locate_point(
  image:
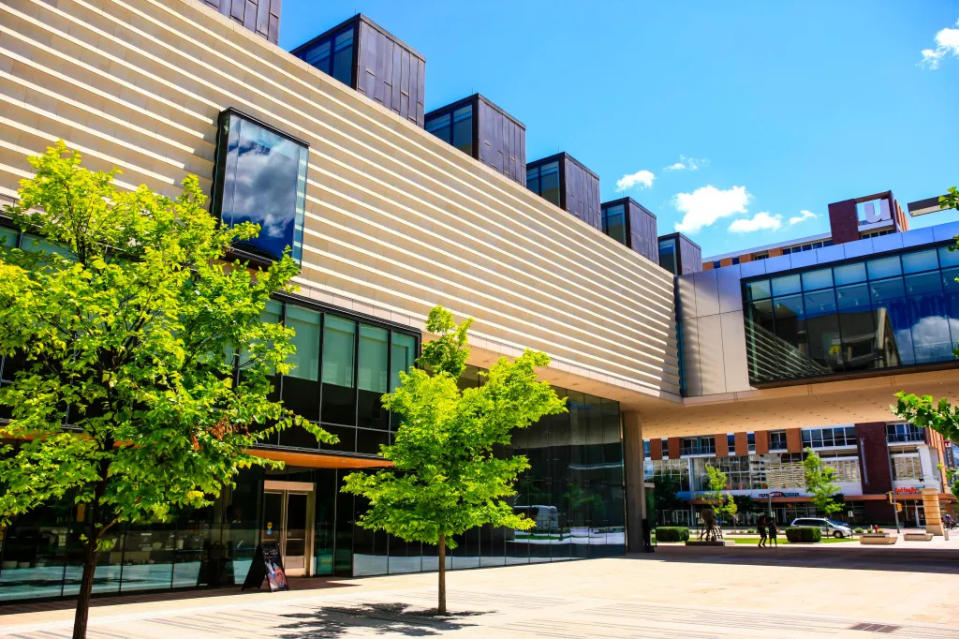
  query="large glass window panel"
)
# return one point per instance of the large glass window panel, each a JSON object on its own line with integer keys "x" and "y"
{"x": 948, "y": 257}
{"x": 852, "y": 298}
{"x": 824, "y": 340}
{"x": 758, "y": 290}
{"x": 788, "y": 312}
{"x": 319, "y": 55}
{"x": 849, "y": 273}
{"x": 549, "y": 182}
{"x": 883, "y": 267}
{"x": 858, "y": 340}
{"x": 820, "y": 302}
{"x": 261, "y": 178}
{"x": 372, "y": 376}
{"x": 402, "y": 356}
{"x": 532, "y": 180}
{"x": 440, "y": 127}
{"x": 919, "y": 261}
{"x": 8, "y": 237}
{"x": 338, "y": 392}
{"x": 306, "y": 359}
{"x": 343, "y": 57}
{"x": 884, "y": 290}
{"x": 462, "y": 137}
{"x": 614, "y": 222}
{"x": 929, "y": 321}
{"x": 786, "y": 284}
{"x": 667, "y": 256}
{"x": 820, "y": 278}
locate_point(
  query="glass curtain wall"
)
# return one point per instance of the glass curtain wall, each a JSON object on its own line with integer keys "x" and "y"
{"x": 41, "y": 554}
{"x": 886, "y": 312}
{"x": 341, "y": 369}
{"x": 573, "y": 491}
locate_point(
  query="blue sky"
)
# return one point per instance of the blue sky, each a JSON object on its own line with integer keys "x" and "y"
{"x": 745, "y": 114}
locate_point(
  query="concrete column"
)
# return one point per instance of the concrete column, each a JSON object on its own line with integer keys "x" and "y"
{"x": 635, "y": 486}
{"x": 930, "y": 502}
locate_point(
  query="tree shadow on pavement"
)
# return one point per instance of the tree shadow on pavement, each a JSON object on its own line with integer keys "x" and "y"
{"x": 382, "y": 618}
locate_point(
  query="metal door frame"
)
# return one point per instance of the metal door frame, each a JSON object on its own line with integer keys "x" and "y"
{"x": 285, "y": 488}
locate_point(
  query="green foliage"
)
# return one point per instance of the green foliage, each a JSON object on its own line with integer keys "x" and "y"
{"x": 950, "y": 200}
{"x": 447, "y": 478}
{"x": 665, "y": 487}
{"x": 820, "y": 481}
{"x": 123, "y": 331}
{"x": 722, "y": 502}
{"x": 807, "y": 534}
{"x": 672, "y": 533}
{"x": 952, "y": 478}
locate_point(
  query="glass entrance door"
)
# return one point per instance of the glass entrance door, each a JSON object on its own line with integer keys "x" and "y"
{"x": 287, "y": 521}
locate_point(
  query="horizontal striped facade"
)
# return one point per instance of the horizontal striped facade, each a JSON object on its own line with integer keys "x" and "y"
{"x": 397, "y": 221}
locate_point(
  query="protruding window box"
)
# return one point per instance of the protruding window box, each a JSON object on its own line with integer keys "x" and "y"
{"x": 260, "y": 177}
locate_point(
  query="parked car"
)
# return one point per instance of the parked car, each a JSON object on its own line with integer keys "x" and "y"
{"x": 828, "y": 527}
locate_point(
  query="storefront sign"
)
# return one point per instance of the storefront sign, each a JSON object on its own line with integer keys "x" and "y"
{"x": 908, "y": 491}
{"x": 267, "y": 563}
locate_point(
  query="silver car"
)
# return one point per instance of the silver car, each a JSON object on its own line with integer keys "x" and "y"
{"x": 828, "y": 527}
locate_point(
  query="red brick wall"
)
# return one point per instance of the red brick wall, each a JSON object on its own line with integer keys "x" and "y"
{"x": 762, "y": 442}
{"x": 742, "y": 444}
{"x": 844, "y": 221}
{"x": 674, "y": 447}
{"x": 656, "y": 448}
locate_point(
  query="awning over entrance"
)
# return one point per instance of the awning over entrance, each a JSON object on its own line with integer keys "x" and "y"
{"x": 320, "y": 460}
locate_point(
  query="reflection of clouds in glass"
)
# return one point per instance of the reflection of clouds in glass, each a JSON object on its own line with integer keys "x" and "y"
{"x": 930, "y": 336}
{"x": 263, "y": 187}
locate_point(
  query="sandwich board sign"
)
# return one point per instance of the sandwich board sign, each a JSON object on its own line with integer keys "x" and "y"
{"x": 267, "y": 564}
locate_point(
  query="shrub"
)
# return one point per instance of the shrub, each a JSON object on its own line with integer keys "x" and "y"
{"x": 859, "y": 531}
{"x": 803, "y": 533}
{"x": 672, "y": 533}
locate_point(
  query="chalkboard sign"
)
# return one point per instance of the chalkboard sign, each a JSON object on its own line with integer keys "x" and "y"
{"x": 267, "y": 563}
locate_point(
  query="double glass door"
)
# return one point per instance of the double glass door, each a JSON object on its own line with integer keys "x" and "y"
{"x": 288, "y": 522}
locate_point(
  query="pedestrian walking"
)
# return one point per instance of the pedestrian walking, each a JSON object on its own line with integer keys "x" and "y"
{"x": 773, "y": 531}
{"x": 762, "y": 532}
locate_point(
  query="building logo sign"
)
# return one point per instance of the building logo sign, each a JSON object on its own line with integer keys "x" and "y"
{"x": 874, "y": 211}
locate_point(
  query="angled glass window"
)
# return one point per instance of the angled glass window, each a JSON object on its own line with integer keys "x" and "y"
{"x": 454, "y": 127}
{"x": 667, "y": 256}
{"x": 8, "y": 237}
{"x": 614, "y": 223}
{"x": 544, "y": 180}
{"x": 332, "y": 54}
{"x": 261, "y": 178}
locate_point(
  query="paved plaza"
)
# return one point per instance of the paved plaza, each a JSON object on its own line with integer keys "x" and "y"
{"x": 744, "y": 593}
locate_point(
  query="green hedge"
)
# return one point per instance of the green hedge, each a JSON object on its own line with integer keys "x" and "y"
{"x": 803, "y": 533}
{"x": 672, "y": 533}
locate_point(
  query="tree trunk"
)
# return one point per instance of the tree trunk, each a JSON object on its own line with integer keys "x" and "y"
{"x": 441, "y": 607}
{"x": 86, "y": 589}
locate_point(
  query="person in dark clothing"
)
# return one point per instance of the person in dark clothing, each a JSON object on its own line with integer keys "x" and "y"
{"x": 762, "y": 532}
{"x": 647, "y": 537}
{"x": 773, "y": 531}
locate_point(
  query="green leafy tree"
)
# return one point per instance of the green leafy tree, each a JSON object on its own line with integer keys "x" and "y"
{"x": 664, "y": 496}
{"x": 125, "y": 326}
{"x": 722, "y": 502}
{"x": 925, "y": 411}
{"x": 447, "y": 477}
{"x": 821, "y": 483}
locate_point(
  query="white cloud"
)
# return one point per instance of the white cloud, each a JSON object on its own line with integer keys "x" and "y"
{"x": 947, "y": 43}
{"x": 707, "y": 204}
{"x": 802, "y": 217}
{"x": 642, "y": 178}
{"x": 687, "y": 164}
{"x": 762, "y": 221}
